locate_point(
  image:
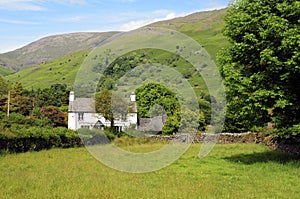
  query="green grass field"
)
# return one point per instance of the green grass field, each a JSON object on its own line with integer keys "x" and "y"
{"x": 229, "y": 171}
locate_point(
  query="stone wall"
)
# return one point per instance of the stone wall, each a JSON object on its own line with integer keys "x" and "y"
{"x": 222, "y": 138}
{"x": 230, "y": 138}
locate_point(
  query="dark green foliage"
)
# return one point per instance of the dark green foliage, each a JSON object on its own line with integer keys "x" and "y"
{"x": 56, "y": 95}
{"x": 55, "y": 115}
{"x": 95, "y": 136}
{"x": 19, "y": 101}
{"x": 261, "y": 66}
{"x": 172, "y": 125}
{"x": 156, "y": 100}
{"x": 110, "y": 106}
{"x": 20, "y": 133}
{"x": 22, "y": 139}
{"x": 3, "y": 87}
{"x": 33, "y": 128}
{"x": 103, "y": 105}
{"x": 290, "y": 133}
{"x": 151, "y": 98}
{"x": 151, "y": 94}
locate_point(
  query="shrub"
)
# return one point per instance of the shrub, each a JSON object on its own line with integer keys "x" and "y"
{"x": 291, "y": 134}
{"x": 95, "y": 136}
{"x": 22, "y": 138}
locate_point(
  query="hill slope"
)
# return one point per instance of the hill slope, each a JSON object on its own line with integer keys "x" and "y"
{"x": 5, "y": 71}
{"x": 50, "y": 48}
{"x": 204, "y": 27}
{"x": 62, "y": 70}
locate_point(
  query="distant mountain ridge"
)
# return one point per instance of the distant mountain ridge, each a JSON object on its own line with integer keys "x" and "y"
{"x": 204, "y": 27}
{"x": 56, "y": 46}
{"x": 50, "y": 48}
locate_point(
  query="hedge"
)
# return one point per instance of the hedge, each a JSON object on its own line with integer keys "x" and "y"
{"x": 20, "y": 138}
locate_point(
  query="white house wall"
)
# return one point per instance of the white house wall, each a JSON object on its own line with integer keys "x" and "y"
{"x": 72, "y": 121}
{"x": 90, "y": 119}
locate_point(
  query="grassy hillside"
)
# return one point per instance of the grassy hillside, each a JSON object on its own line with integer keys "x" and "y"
{"x": 152, "y": 73}
{"x": 229, "y": 171}
{"x": 50, "y": 48}
{"x": 204, "y": 27}
{"x": 62, "y": 70}
{"x": 5, "y": 71}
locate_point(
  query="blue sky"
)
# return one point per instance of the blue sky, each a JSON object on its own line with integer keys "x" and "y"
{"x": 24, "y": 21}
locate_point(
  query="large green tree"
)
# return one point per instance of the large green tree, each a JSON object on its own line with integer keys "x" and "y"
{"x": 3, "y": 93}
{"x": 261, "y": 67}
{"x": 111, "y": 106}
{"x": 152, "y": 94}
{"x": 19, "y": 102}
{"x": 3, "y": 87}
{"x": 155, "y": 99}
{"x": 103, "y": 105}
{"x": 55, "y": 95}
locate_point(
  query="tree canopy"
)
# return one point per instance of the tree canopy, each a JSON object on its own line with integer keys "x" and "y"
{"x": 111, "y": 106}
{"x": 261, "y": 67}
{"x": 152, "y": 94}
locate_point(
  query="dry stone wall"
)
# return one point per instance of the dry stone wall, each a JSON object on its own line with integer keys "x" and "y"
{"x": 230, "y": 138}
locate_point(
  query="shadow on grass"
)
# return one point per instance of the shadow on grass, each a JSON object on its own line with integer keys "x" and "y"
{"x": 264, "y": 157}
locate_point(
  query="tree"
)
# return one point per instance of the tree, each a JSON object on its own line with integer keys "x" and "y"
{"x": 261, "y": 65}
{"x": 152, "y": 94}
{"x": 3, "y": 92}
{"x": 20, "y": 103}
{"x": 55, "y": 95}
{"x": 103, "y": 105}
{"x": 3, "y": 88}
{"x": 110, "y": 107}
{"x": 54, "y": 114}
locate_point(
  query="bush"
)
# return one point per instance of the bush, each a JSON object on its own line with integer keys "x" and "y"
{"x": 22, "y": 138}
{"x": 95, "y": 136}
{"x": 291, "y": 134}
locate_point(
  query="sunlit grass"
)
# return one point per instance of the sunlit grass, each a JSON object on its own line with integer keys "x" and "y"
{"x": 229, "y": 171}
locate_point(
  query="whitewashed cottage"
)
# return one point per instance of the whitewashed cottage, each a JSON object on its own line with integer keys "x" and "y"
{"x": 82, "y": 114}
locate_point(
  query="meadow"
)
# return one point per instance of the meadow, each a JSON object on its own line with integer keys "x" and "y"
{"x": 229, "y": 171}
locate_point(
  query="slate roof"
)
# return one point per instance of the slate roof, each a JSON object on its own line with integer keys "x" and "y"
{"x": 86, "y": 105}
{"x": 154, "y": 124}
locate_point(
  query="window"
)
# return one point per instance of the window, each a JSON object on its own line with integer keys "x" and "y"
{"x": 80, "y": 116}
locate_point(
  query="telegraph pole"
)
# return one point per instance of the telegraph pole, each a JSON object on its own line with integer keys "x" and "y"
{"x": 8, "y": 103}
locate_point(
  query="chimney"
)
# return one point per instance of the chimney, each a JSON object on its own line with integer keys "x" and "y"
{"x": 132, "y": 97}
{"x": 72, "y": 96}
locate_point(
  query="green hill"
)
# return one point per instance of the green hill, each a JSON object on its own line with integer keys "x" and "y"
{"x": 204, "y": 27}
{"x": 50, "y": 48}
{"x": 5, "y": 71}
{"x": 62, "y": 70}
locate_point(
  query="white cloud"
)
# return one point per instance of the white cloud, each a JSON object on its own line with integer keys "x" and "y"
{"x": 11, "y": 21}
{"x": 30, "y": 5}
{"x": 73, "y": 19}
{"x": 124, "y": 1}
{"x": 33, "y": 5}
{"x": 157, "y": 16}
{"x": 81, "y": 2}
